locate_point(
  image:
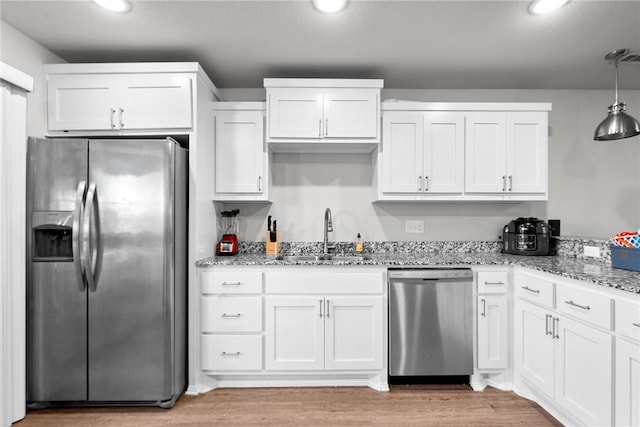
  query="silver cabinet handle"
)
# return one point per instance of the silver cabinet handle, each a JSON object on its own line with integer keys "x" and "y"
{"x": 326, "y": 128}
{"x": 636, "y": 324}
{"x": 556, "y": 327}
{"x": 260, "y": 183}
{"x": 92, "y": 265}
{"x": 494, "y": 283}
{"x": 510, "y": 182}
{"x": 76, "y": 243}
{"x": 535, "y": 291}
{"x": 231, "y": 283}
{"x": 504, "y": 183}
{"x": 231, "y": 315}
{"x": 113, "y": 125}
{"x": 584, "y": 307}
{"x": 420, "y": 183}
{"x": 236, "y": 354}
{"x": 426, "y": 183}
{"x": 320, "y": 128}
{"x": 327, "y": 308}
{"x": 546, "y": 324}
{"x": 484, "y": 308}
{"x": 120, "y": 118}
{"x": 320, "y": 304}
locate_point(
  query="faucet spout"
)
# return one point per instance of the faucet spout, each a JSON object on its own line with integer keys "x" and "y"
{"x": 328, "y": 227}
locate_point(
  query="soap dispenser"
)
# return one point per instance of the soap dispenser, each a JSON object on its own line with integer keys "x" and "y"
{"x": 359, "y": 246}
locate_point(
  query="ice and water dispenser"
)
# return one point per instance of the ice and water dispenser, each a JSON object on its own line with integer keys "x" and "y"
{"x": 52, "y": 237}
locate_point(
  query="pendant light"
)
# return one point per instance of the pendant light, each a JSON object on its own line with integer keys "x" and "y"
{"x": 618, "y": 124}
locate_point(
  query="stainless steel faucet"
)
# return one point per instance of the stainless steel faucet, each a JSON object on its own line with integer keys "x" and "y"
{"x": 328, "y": 226}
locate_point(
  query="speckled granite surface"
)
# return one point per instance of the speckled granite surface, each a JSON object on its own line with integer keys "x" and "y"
{"x": 569, "y": 263}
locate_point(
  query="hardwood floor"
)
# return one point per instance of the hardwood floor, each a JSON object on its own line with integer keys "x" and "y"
{"x": 402, "y": 406}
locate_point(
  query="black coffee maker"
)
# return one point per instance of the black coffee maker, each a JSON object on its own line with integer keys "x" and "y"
{"x": 526, "y": 236}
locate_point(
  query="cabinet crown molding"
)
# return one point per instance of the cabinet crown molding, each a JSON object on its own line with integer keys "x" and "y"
{"x": 325, "y": 83}
{"x": 464, "y": 106}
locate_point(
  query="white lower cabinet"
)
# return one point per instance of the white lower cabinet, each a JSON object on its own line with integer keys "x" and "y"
{"x": 292, "y": 326}
{"x": 627, "y": 383}
{"x": 568, "y": 360}
{"x": 493, "y": 342}
{"x": 323, "y": 333}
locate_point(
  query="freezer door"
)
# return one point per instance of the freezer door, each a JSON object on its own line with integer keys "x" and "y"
{"x": 56, "y": 301}
{"x": 131, "y": 302}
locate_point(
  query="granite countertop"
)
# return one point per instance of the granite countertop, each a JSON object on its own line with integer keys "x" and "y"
{"x": 596, "y": 273}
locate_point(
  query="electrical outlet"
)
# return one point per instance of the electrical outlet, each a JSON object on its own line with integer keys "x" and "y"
{"x": 414, "y": 226}
{"x": 591, "y": 251}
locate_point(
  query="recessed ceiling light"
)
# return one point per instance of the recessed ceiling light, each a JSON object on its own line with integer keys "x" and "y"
{"x": 114, "y": 5}
{"x": 330, "y": 6}
{"x": 539, "y": 7}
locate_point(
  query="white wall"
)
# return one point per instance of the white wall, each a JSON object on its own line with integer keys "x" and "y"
{"x": 26, "y": 55}
{"x": 594, "y": 187}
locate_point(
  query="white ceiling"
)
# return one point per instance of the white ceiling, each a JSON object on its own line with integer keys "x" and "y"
{"x": 410, "y": 44}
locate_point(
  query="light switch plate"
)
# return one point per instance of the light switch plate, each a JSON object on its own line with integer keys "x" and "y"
{"x": 414, "y": 226}
{"x": 591, "y": 251}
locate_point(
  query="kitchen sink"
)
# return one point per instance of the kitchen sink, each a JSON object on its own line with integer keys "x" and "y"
{"x": 319, "y": 258}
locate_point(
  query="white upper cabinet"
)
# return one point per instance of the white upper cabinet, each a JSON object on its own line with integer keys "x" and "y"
{"x": 422, "y": 153}
{"x": 116, "y": 102}
{"x": 462, "y": 151}
{"x": 241, "y": 166}
{"x": 507, "y": 153}
{"x": 323, "y": 115}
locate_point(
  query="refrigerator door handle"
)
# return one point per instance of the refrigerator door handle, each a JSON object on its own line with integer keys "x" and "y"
{"x": 92, "y": 267}
{"x": 76, "y": 244}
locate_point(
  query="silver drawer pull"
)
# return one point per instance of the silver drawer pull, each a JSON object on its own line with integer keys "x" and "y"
{"x": 224, "y": 353}
{"x": 584, "y": 307}
{"x": 636, "y": 324}
{"x": 494, "y": 283}
{"x": 231, "y": 283}
{"x": 535, "y": 291}
{"x": 231, "y": 315}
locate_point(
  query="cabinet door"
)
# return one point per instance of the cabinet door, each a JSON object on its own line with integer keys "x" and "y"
{"x": 537, "y": 351}
{"x": 155, "y": 102}
{"x": 443, "y": 152}
{"x": 295, "y": 113}
{"x": 493, "y": 340}
{"x": 402, "y": 145}
{"x": 527, "y": 141}
{"x": 77, "y": 102}
{"x": 353, "y": 333}
{"x": 239, "y": 152}
{"x": 351, "y": 113}
{"x": 294, "y": 333}
{"x": 627, "y": 383}
{"x": 485, "y": 153}
{"x": 584, "y": 371}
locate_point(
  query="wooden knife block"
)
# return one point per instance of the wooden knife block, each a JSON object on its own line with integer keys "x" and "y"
{"x": 273, "y": 247}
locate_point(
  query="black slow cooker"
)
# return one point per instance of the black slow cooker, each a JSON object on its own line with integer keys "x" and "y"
{"x": 526, "y": 236}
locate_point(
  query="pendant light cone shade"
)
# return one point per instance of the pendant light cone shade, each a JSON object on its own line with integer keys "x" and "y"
{"x": 618, "y": 124}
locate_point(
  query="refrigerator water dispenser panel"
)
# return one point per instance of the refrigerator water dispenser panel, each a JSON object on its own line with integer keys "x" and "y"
{"x": 52, "y": 236}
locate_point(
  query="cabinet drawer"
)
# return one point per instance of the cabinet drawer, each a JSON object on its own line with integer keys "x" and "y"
{"x": 323, "y": 282}
{"x": 230, "y": 314}
{"x": 628, "y": 319}
{"x": 534, "y": 289}
{"x": 584, "y": 305}
{"x": 231, "y": 352}
{"x": 231, "y": 282}
{"x": 492, "y": 282}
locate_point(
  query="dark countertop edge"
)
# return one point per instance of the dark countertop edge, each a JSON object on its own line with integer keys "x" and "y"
{"x": 453, "y": 259}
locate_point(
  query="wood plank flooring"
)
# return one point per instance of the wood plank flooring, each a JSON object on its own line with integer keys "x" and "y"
{"x": 402, "y": 406}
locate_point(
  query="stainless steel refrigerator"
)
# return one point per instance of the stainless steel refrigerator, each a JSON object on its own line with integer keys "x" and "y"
{"x": 106, "y": 272}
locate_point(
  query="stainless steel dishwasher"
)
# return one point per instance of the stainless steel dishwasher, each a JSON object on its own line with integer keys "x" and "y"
{"x": 430, "y": 322}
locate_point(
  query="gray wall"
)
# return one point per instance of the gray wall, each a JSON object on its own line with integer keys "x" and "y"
{"x": 24, "y": 54}
{"x": 594, "y": 187}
